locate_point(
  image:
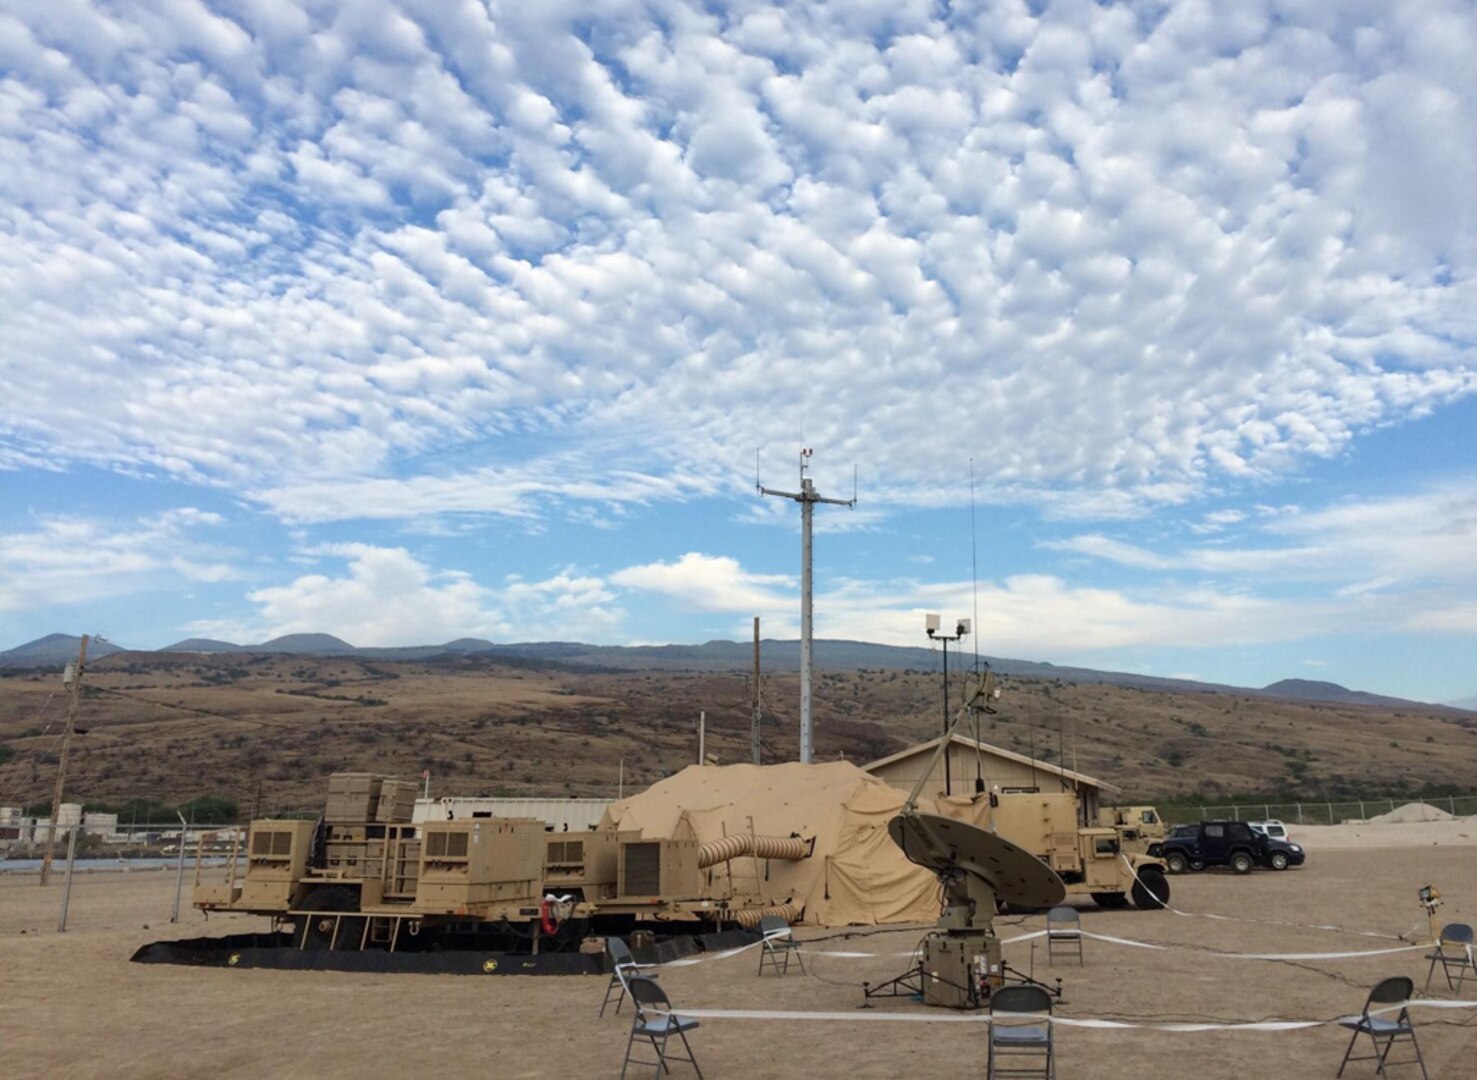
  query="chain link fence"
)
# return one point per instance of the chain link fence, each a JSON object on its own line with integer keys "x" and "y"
{"x": 1334, "y": 813}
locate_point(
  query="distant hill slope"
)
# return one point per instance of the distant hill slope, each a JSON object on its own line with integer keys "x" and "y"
{"x": 311, "y": 644}
{"x": 1315, "y": 690}
{"x": 55, "y": 650}
{"x": 271, "y": 727}
{"x": 715, "y": 656}
{"x": 203, "y": 645}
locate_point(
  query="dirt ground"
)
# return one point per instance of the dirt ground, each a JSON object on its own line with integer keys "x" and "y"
{"x": 75, "y": 1007}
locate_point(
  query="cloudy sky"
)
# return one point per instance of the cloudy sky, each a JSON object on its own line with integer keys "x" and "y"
{"x": 406, "y": 321}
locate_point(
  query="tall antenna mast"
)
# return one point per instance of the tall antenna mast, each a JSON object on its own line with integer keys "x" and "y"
{"x": 807, "y": 497}
{"x": 758, "y": 715}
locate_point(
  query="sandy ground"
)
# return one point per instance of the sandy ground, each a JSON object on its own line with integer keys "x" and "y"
{"x": 75, "y": 1007}
{"x": 1445, "y": 832}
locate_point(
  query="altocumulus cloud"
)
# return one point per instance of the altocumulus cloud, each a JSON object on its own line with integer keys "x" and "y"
{"x": 1130, "y": 251}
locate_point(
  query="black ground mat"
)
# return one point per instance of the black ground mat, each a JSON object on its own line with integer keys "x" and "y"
{"x": 275, "y": 951}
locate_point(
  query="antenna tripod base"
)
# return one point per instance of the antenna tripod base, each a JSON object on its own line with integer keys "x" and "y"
{"x": 959, "y": 970}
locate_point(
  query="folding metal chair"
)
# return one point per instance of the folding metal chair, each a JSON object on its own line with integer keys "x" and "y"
{"x": 1021, "y": 1041}
{"x": 624, "y": 967}
{"x": 1453, "y": 950}
{"x": 778, "y": 946}
{"x": 655, "y": 1023}
{"x": 1389, "y": 1026}
{"x": 1064, "y": 933}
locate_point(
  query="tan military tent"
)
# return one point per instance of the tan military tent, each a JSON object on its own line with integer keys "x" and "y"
{"x": 855, "y": 875}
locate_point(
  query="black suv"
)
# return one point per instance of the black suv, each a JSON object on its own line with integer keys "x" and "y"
{"x": 1224, "y": 843}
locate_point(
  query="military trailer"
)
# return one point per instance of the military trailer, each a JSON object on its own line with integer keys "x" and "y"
{"x": 364, "y": 876}
{"x": 1090, "y": 860}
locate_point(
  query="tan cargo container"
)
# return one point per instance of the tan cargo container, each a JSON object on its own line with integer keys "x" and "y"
{"x": 353, "y": 797}
{"x": 396, "y": 802}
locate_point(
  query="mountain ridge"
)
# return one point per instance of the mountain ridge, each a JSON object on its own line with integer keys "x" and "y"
{"x": 775, "y": 655}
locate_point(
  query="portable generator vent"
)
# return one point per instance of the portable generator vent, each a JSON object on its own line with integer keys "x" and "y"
{"x": 566, "y": 851}
{"x": 446, "y": 845}
{"x": 643, "y": 870}
{"x": 271, "y": 843}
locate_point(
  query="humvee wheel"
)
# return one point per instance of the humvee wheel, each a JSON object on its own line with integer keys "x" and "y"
{"x": 1241, "y": 863}
{"x": 1176, "y": 863}
{"x": 1110, "y": 901}
{"x": 1151, "y": 890}
{"x": 1278, "y": 860}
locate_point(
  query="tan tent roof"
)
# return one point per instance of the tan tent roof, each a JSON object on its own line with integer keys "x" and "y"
{"x": 855, "y": 875}
{"x": 985, "y": 748}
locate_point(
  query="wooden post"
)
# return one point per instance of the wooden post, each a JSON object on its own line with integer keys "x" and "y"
{"x": 61, "y": 767}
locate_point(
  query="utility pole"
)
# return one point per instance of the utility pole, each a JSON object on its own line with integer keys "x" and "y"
{"x": 61, "y": 768}
{"x": 807, "y": 498}
{"x": 931, "y": 626}
{"x": 758, "y": 715}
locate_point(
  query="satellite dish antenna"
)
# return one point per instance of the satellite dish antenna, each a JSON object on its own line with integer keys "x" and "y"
{"x": 955, "y": 849}
{"x": 962, "y": 964}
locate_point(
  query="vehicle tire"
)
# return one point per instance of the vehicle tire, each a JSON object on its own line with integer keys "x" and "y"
{"x": 1156, "y": 850}
{"x": 1242, "y": 863}
{"x": 314, "y": 932}
{"x": 1277, "y": 860}
{"x": 1151, "y": 890}
{"x": 1110, "y": 901}
{"x": 1176, "y": 863}
{"x": 1196, "y": 865}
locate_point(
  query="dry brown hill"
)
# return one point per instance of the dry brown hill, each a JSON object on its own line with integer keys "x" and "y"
{"x": 171, "y": 727}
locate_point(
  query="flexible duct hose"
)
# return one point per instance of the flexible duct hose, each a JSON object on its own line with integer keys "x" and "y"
{"x": 749, "y": 918}
{"x": 764, "y": 847}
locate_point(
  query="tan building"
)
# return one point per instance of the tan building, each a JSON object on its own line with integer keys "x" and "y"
{"x": 1002, "y": 770}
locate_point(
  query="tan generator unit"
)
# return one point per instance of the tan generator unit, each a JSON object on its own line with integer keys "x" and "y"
{"x": 659, "y": 868}
{"x": 584, "y": 863}
{"x": 481, "y": 861}
{"x": 276, "y": 857}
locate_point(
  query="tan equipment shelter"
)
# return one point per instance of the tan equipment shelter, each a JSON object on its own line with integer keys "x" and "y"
{"x": 1004, "y": 772}
{"x": 855, "y": 874}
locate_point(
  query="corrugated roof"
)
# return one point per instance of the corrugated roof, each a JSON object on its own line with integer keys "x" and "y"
{"x": 1056, "y": 770}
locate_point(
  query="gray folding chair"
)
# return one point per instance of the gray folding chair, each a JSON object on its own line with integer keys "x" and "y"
{"x": 1453, "y": 950}
{"x": 778, "y": 946}
{"x": 1386, "y": 1020}
{"x": 624, "y": 967}
{"x": 1021, "y": 1042}
{"x": 655, "y": 1023}
{"x": 1064, "y": 933}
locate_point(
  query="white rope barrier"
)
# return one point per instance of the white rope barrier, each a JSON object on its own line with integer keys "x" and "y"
{"x": 1354, "y": 954}
{"x": 1092, "y": 1023}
